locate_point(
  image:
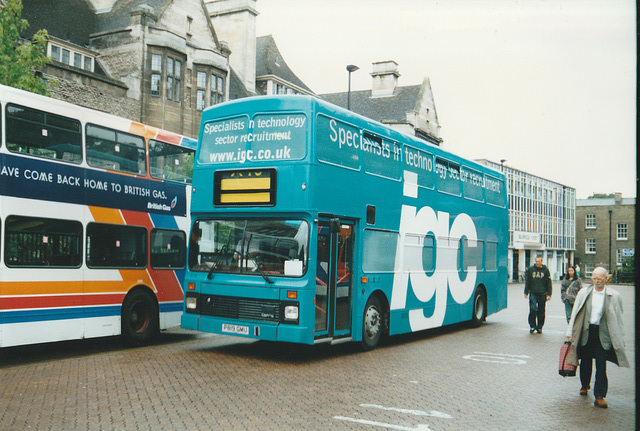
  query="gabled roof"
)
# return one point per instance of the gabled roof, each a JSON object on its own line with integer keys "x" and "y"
{"x": 54, "y": 16}
{"x": 386, "y": 109}
{"x": 269, "y": 62}
{"x": 237, "y": 90}
{"x": 120, "y": 15}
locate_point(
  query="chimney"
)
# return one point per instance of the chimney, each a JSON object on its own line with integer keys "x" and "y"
{"x": 385, "y": 78}
{"x": 234, "y": 21}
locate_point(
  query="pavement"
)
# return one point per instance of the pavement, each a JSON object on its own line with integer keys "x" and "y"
{"x": 496, "y": 377}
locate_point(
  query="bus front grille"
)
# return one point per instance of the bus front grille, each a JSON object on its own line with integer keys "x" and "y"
{"x": 240, "y": 308}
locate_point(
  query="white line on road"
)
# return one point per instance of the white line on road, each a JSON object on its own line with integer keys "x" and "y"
{"x": 420, "y": 427}
{"x": 432, "y": 413}
{"x": 503, "y": 354}
{"x": 498, "y": 358}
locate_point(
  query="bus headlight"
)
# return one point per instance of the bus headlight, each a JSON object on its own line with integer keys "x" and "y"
{"x": 191, "y": 303}
{"x": 291, "y": 313}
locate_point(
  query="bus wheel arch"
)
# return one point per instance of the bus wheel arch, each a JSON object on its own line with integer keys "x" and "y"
{"x": 374, "y": 320}
{"x": 140, "y": 317}
{"x": 479, "y": 311}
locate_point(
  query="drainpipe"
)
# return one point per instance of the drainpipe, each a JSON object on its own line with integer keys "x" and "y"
{"x": 610, "y": 268}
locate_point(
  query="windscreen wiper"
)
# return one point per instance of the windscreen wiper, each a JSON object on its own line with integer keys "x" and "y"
{"x": 266, "y": 278}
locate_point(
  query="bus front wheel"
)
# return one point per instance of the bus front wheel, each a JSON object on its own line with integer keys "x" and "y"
{"x": 140, "y": 321}
{"x": 372, "y": 324}
{"x": 479, "y": 308}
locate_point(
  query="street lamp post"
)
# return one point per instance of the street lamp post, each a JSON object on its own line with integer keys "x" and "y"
{"x": 350, "y": 68}
{"x": 502, "y": 164}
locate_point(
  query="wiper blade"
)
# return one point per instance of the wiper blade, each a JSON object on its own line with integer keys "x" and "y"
{"x": 216, "y": 262}
{"x": 266, "y": 278}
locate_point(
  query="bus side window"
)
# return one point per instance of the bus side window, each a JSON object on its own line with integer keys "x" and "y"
{"x": 41, "y": 242}
{"x": 42, "y": 134}
{"x": 116, "y": 246}
{"x": 115, "y": 150}
{"x": 168, "y": 249}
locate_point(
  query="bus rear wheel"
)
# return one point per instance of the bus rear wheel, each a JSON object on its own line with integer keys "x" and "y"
{"x": 140, "y": 321}
{"x": 479, "y": 308}
{"x": 372, "y": 324}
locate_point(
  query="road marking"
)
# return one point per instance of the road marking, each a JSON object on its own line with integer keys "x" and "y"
{"x": 498, "y": 358}
{"x": 432, "y": 413}
{"x": 420, "y": 427}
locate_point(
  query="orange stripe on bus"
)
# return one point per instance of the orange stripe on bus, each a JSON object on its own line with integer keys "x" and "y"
{"x": 106, "y": 215}
{"x": 130, "y": 280}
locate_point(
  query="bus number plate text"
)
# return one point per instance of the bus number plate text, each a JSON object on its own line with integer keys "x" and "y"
{"x": 235, "y": 329}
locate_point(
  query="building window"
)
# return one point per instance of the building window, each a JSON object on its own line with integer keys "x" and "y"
{"x": 622, "y": 231}
{"x": 71, "y": 57}
{"x": 189, "y": 24}
{"x": 590, "y": 246}
{"x": 217, "y": 89}
{"x": 588, "y": 269}
{"x": 174, "y": 73}
{"x": 65, "y": 56}
{"x": 156, "y": 74}
{"x": 55, "y": 53}
{"x": 201, "y": 84}
{"x": 590, "y": 221}
{"x": 619, "y": 257}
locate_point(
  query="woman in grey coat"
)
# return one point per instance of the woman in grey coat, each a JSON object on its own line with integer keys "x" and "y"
{"x": 596, "y": 332}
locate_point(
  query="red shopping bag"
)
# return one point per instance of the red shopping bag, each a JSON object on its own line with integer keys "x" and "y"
{"x": 565, "y": 369}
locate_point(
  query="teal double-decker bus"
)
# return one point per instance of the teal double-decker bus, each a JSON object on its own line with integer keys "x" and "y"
{"x": 313, "y": 224}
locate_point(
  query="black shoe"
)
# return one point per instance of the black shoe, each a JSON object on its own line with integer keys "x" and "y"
{"x": 539, "y": 330}
{"x": 531, "y": 330}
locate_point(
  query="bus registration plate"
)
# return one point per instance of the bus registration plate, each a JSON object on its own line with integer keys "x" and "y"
{"x": 235, "y": 329}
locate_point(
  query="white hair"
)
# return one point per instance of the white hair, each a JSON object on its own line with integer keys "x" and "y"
{"x": 601, "y": 270}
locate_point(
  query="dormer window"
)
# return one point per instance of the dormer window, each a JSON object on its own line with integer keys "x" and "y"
{"x": 71, "y": 56}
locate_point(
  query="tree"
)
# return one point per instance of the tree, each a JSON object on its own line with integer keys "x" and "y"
{"x": 601, "y": 196}
{"x": 19, "y": 58}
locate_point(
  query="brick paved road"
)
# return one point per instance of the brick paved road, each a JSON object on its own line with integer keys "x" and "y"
{"x": 497, "y": 377}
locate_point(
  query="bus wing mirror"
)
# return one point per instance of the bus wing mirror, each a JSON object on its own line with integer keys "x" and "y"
{"x": 334, "y": 225}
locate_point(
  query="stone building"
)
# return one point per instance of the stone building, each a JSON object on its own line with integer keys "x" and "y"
{"x": 154, "y": 61}
{"x": 410, "y": 109}
{"x": 605, "y": 232}
{"x": 542, "y": 221}
{"x": 159, "y": 62}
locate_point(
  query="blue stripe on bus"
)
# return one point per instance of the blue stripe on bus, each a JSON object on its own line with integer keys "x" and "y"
{"x": 170, "y": 307}
{"x": 25, "y": 316}
{"x": 162, "y": 221}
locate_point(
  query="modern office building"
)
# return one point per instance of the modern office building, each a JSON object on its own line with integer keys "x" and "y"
{"x": 542, "y": 221}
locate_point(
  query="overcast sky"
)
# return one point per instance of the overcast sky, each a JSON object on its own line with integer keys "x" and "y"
{"x": 550, "y": 86}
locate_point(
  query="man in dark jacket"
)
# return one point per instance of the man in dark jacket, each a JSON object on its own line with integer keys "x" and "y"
{"x": 537, "y": 288}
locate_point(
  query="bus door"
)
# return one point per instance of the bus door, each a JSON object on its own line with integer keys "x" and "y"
{"x": 334, "y": 279}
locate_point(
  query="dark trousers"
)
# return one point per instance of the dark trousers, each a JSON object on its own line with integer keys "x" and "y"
{"x": 537, "y": 304}
{"x": 594, "y": 350}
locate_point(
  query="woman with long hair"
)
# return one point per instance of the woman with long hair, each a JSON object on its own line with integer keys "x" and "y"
{"x": 571, "y": 284}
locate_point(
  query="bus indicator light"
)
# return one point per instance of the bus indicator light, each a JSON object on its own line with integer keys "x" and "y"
{"x": 191, "y": 286}
{"x": 292, "y": 294}
{"x": 364, "y": 280}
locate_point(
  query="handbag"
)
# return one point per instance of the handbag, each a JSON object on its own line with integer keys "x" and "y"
{"x": 564, "y": 368}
